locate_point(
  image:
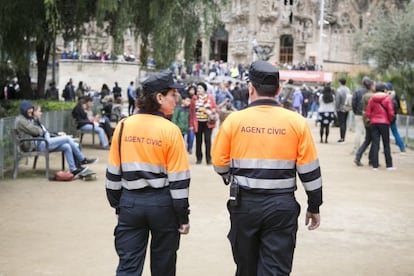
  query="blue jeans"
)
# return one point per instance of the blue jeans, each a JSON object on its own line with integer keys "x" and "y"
{"x": 68, "y": 146}
{"x": 100, "y": 131}
{"x": 396, "y": 134}
{"x": 238, "y": 104}
{"x": 190, "y": 140}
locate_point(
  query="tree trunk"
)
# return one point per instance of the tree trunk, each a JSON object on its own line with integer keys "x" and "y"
{"x": 26, "y": 91}
{"x": 42, "y": 54}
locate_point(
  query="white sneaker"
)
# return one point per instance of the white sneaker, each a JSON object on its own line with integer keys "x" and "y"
{"x": 391, "y": 168}
{"x": 375, "y": 169}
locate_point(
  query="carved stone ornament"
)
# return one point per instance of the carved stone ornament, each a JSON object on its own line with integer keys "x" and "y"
{"x": 268, "y": 11}
{"x": 361, "y": 5}
{"x": 263, "y": 52}
{"x": 239, "y": 49}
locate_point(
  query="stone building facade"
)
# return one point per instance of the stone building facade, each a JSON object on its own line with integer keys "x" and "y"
{"x": 288, "y": 31}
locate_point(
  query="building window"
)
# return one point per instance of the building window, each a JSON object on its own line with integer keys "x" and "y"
{"x": 286, "y": 49}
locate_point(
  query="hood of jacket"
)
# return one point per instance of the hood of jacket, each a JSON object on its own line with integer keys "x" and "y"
{"x": 24, "y": 106}
{"x": 379, "y": 97}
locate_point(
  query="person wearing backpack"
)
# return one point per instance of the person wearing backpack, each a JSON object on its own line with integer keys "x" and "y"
{"x": 342, "y": 110}
{"x": 397, "y": 109}
{"x": 326, "y": 111}
{"x": 357, "y": 110}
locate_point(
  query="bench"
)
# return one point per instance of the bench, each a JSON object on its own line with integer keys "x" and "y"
{"x": 20, "y": 154}
{"x": 79, "y": 133}
{"x": 82, "y": 132}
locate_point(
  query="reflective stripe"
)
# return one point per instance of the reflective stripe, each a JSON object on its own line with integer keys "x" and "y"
{"x": 142, "y": 183}
{"x": 179, "y": 194}
{"x": 264, "y": 164}
{"x": 308, "y": 167}
{"x": 266, "y": 183}
{"x": 113, "y": 169}
{"x": 177, "y": 176}
{"x": 113, "y": 185}
{"x": 222, "y": 169}
{"x": 139, "y": 166}
{"x": 313, "y": 185}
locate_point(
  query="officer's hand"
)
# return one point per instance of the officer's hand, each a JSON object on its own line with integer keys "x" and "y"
{"x": 315, "y": 220}
{"x": 184, "y": 229}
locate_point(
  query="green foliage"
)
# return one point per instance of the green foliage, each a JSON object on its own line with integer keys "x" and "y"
{"x": 12, "y": 108}
{"x": 390, "y": 38}
{"x": 163, "y": 26}
{"x": 402, "y": 80}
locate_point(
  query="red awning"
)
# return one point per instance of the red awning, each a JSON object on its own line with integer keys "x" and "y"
{"x": 306, "y": 76}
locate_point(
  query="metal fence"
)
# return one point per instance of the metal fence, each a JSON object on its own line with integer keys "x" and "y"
{"x": 55, "y": 121}
{"x": 62, "y": 121}
{"x": 405, "y": 125}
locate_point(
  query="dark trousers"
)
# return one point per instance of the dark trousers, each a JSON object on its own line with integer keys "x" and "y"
{"x": 106, "y": 125}
{"x": 342, "y": 118}
{"x": 381, "y": 131}
{"x": 365, "y": 145}
{"x": 203, "y": 130}
{"x": 131, "y": 106}
{"x": 263, "y": 234}
{"x": 141, "y": 213}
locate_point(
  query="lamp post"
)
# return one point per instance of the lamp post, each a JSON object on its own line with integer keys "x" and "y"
{"x": 321, "y": 21}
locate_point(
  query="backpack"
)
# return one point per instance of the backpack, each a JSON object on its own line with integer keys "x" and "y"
{"x": 65, "y": 93}
{"x": 63, "y": 176}
{"x": 348, "y": 102}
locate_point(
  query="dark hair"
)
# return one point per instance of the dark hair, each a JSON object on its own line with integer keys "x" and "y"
{"x": 342, "y": 81}
{"x": 148, "y": 101}
{"x": 380, "y": 87}
{"x": 327, "y": 95}
{"x": 367, "y": 83}
{"x": 266, "y": 90}
{"x": 203, "y": 84}
{"x": 192, "y": 87}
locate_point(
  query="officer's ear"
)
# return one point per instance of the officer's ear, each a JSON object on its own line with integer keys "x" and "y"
{"x": 252, "y": 90}
{"x": 158, "y": 98}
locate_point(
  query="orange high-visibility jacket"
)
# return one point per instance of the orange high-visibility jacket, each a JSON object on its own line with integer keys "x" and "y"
{"x": 264, "y": 146}
{"x": 153, "y": 155}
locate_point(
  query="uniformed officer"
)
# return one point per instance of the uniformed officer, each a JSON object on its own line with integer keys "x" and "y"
{"x": 147, "y": 181}
{"x": 259, "y": 150}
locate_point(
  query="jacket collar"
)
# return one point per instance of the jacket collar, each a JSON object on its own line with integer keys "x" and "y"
{"x": 264, "y": 102}
{"x": 158, "y": 113}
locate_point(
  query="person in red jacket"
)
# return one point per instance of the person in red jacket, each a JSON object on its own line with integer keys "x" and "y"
{"x": 380, "y": 113}
{"x": 202, "y": 111}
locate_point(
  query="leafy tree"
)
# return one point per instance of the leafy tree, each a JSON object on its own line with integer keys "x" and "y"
{"x": 389, "y": 41}
{"x": 31, "y": 26}
{"x": 164, "y": 27}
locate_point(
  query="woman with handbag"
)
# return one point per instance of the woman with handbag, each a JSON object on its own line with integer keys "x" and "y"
{"x": 203, "y": 117}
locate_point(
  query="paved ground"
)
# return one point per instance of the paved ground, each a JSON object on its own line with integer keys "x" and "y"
{"x": 65, "y": 229}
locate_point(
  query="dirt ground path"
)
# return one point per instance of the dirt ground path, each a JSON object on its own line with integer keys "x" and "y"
{"x": 65, "y": 229}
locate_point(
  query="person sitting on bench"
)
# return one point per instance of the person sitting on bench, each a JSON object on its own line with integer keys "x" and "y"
{"x": 101, "y": 126}
{"x": 28, "y": 124}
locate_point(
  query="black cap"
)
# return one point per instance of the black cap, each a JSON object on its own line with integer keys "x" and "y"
{"x": 262, "y": 72}
{"x": 380, "y": 87}
{"x": 159, "y": 82}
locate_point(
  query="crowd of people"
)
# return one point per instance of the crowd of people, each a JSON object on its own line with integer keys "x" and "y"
{"x": 148, "y": 176}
